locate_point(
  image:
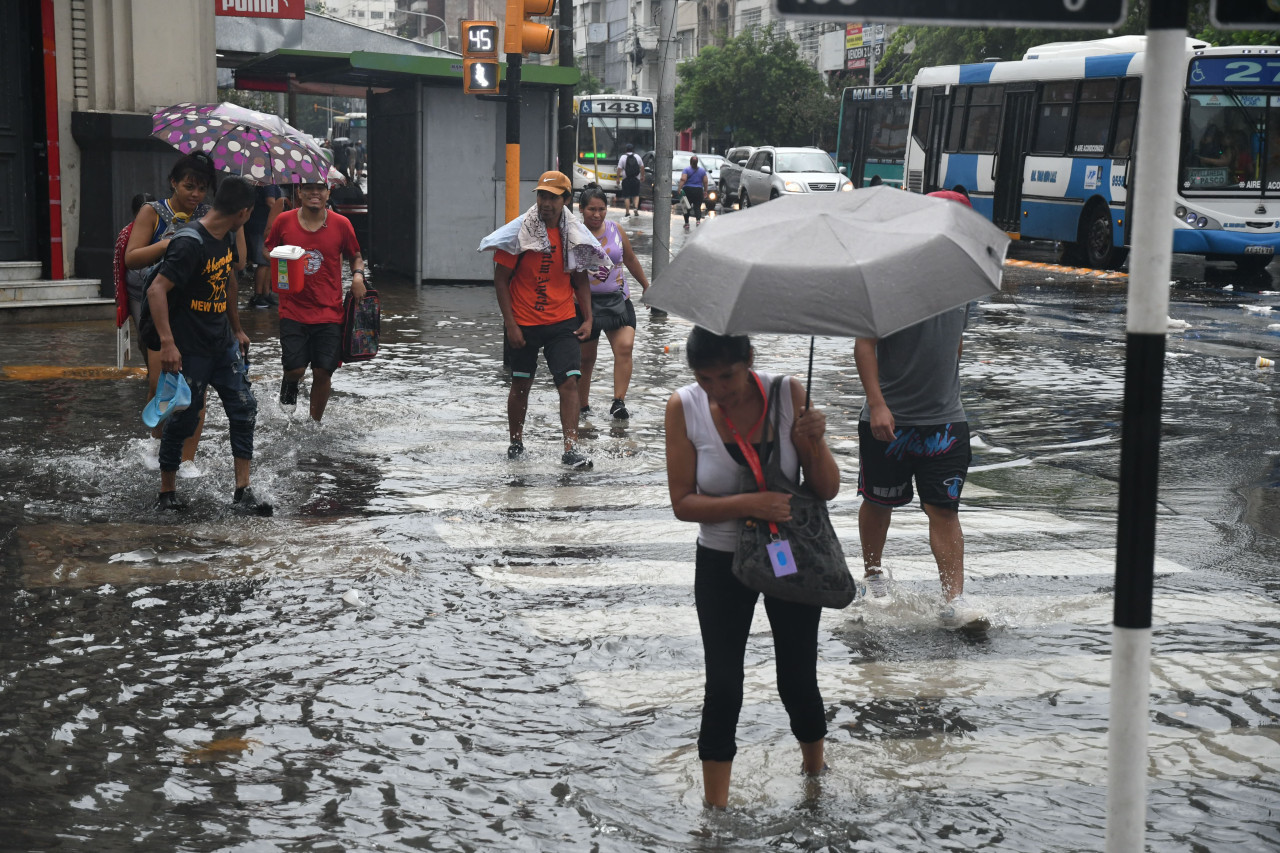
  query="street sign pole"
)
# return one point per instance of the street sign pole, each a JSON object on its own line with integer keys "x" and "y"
{"x": 1155, "y": 183}
{"x": 665, "y": 132}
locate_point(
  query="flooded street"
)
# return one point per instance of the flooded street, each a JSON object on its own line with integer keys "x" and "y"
{"x": 523, "y": 670}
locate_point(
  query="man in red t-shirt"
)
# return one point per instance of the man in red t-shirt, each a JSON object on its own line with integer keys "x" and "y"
{"x": 536, "y": 297}
{"x": 311, "y": 317}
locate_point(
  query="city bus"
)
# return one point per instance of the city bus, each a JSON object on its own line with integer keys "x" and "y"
{"x": 1045, "y": 147}
{"x": 871, "y": 143}
{"x": 605, "y": 124}
{"x": 353, "y": 126}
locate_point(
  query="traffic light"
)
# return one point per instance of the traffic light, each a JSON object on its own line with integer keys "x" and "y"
{"x": 480, "y": 69}
{"x": 523, "y": 35}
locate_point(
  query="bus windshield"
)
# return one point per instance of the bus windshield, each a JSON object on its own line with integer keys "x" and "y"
{"x": 1227, "y": 136}
{"x": 604, "y": 139}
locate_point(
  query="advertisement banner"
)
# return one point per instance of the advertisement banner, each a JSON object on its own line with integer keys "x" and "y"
{"x": 260, "y": 9}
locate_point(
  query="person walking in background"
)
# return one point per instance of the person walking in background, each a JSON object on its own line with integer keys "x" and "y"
{"x": 268, "y": 203}
{"x": 612, "y": 311}
{"x": 693, "y": 183}
{"x": 706, "y": 475}
{"x": 913, "y": 426}
{"x": 536, "y": 293}
{"x": 311, "y": 317}
{"x": 192, "y": 318}
{"x": 357, "y": 161}
{"x": 631, "y": 170}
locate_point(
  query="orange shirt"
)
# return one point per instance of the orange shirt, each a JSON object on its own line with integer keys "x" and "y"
{"x": 541, "y": 291}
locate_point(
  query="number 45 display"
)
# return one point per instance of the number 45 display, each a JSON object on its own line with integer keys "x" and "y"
{"x": 480, "y": 69}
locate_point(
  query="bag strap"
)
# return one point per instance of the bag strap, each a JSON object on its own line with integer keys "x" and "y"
{"x": 749, "y": 452}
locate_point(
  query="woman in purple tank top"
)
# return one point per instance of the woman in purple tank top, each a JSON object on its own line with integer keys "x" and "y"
{"x": 611, "y": 307}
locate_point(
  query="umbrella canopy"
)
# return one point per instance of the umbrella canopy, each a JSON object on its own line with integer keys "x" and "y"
{"x": 857, "y": 264}
{"x": 261, "y": 147}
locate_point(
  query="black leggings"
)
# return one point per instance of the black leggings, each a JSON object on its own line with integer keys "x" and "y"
{"x": 694, "y": 194}
{"x": 725, "y": 608}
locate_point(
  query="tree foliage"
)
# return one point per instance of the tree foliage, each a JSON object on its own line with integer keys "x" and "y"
{"x": 755, "y": 90}
{"x": 915, "y": 47}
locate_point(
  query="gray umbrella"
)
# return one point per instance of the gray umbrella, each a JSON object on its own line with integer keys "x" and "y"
{"x": 848, "y": 264}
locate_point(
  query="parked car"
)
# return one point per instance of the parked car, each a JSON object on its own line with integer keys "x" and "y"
{"x": 771, "y": 172}
{"x": 731, "y": 172}
{"x": 679, "y": 162}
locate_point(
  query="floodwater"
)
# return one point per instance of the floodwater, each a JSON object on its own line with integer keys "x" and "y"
{"x": 523, "y": 672}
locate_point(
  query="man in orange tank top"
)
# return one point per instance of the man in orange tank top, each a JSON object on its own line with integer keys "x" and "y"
{"x": 536, "y": 297}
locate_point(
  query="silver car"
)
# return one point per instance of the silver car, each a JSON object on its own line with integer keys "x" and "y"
{"x": 772, "y": 172}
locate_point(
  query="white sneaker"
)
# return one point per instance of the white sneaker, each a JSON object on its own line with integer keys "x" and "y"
{"x": 959, "y": 613}
{"x": 879, "y": 583}
{"x": 189, "y": 470}
{"x": 151, "y": 454}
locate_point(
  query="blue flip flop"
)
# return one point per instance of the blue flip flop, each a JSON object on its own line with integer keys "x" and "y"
{"x": 172, "y": 395}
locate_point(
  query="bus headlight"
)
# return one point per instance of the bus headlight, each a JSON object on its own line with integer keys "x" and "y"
{"x": 1202, "y": 222}
{"x": 1180, "y": 211}
{"x": 1191, "y": 217}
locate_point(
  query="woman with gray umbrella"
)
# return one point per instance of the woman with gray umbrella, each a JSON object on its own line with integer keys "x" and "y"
{"x": 708, "y": 427}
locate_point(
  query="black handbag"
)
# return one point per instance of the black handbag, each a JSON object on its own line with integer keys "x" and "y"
{"x": 818, "y": 574}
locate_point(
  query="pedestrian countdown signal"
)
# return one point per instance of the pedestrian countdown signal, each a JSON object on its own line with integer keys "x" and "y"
{"x": 480, "y": 69}
{"x": 480, "y": 76}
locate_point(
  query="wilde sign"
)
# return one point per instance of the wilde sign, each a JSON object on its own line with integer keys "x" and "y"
{"x": 1084, "y": 14}
{"x": 260, "y": 9}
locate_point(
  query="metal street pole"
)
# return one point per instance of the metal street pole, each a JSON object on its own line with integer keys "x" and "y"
{"x": 514, "y": 62}
{"x": 1154, "y": 197}
{"x": 565, "y": 141}
{"x": 665, "y": 132}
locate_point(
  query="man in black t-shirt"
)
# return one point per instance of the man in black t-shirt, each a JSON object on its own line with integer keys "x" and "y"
{"x": 194, "y": 322}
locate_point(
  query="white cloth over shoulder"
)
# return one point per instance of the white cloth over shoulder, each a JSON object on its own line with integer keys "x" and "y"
{"x": 528, "y": 233}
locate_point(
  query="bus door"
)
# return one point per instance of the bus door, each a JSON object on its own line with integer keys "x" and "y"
{"x": 937, "y": 138}
{"x": 1011, "y": 156}
{"x": 858, "y": 121}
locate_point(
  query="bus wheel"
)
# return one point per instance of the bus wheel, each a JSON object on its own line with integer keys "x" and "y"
{"x": 1095, "y": 247}
{"x": 1253, "y": 263}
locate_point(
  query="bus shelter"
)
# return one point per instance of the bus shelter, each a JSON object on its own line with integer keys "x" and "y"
{"x": 436, "y": 157}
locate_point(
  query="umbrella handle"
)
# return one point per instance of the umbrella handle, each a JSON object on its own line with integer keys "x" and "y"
{"x": 809, "y": 381}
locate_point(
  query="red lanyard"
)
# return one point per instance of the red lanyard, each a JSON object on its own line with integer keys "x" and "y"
{"x": 749, "y": 452}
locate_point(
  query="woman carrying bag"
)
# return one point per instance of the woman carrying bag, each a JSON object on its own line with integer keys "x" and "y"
{"x": 712, "y": 483}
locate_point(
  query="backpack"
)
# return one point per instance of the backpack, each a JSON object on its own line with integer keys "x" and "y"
{"x": 147, "y": 331}
{"x": 633, "y": 166}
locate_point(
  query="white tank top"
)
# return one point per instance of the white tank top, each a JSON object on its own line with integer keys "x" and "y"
{"x": 717, "y": 473}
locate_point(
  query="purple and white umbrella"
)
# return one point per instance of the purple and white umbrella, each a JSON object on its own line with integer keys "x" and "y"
{"x": 260, "y": 147}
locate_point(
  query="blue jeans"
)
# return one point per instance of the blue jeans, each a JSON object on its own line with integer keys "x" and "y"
{"x": 228, "y": 373}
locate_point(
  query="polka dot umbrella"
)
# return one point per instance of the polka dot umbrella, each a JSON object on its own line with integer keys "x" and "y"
{"x": 258, "y": 146}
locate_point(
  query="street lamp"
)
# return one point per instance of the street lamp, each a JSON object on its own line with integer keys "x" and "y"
{"x": 444, "y": 27}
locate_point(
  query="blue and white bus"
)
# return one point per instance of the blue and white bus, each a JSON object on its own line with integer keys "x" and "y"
{"x": 872, "y": 138}
{"x": 1045, "y": 147}
{"x": 605, "y": 125}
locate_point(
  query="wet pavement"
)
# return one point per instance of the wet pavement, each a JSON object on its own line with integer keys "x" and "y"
{"x": 522, "y": 668}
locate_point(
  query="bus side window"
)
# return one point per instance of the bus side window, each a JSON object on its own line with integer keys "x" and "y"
{"x": 1093, "y": 117}
{"x": 983, "y": 121}
{"x": 1053, "y": 117}
{"x": 1126, "y": 117}
{"x": 955, "y": 132}
{"x": 924, "y": 113}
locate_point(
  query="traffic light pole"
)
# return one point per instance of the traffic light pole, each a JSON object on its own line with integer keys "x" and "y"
{"x": 514, "y": 61}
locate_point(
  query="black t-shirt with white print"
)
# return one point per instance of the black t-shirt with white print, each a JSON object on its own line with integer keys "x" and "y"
{"x": 201, "y": 271}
